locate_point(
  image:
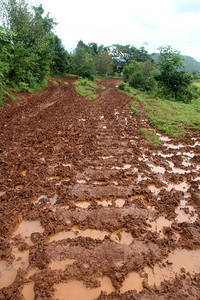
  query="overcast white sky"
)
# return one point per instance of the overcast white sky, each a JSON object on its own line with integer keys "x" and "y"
{"x": 149, "y": 23}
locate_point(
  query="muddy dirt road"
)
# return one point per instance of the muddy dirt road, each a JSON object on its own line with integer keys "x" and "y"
{"x": 88, "y": 209}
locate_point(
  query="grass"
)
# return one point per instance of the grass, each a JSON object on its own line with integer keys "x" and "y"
{"x": 135, "y": 108}
{"x": 66, "y": 83}
{"x": 169, "y": 116}
{"x": 87, "y": 88}
{"x": 151, "y": 137}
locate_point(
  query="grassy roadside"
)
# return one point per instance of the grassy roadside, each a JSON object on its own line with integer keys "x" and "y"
{"x": 169, "y": 116}
{"x": 88, "y": 88}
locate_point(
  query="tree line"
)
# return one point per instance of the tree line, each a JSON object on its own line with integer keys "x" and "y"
{"x": 30, "y": 52}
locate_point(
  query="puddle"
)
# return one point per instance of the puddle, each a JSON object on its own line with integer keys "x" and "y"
{"x": 101, "y": 117}
{"x": 120, "y": 202}
{"x": 189, "y": 154}
{"x": 183, "y": 186}
{"x": 154, "y": 189}
{"x": 180, "y": 258}
{"x": 106, "y": 156}
{"x": 75, "y": 232}
{"x": 8, "y": 273}
{"x": 54, "y": 178}
{"x": 67, "y": 165}
{"x": 54, "y": 199}
{"x": 19, "y": 187}
{"x": 105, "y": 203}
{"x": 125, "y": 167}
{"x": 99, "y": 182}
{"x": 75, "y": 290}
{"x": 185, "y": 213}
{"x": 66, "y": 179}
{"x": 133, "y": 281}
{"x": 28, "y": 291}
{"x": 165, "y": 155}
{"x": 159, "y": 224}
{"x": 81, "y": 181}
{"x": 121, "y": 237}
{"x": 177, "y": 170}
{"x": 60, "y": 264}
{"x": 82, "y": 204}
{"x": 26, "y": 228}
{"x": 156, "y": 169}
{"x": 114, "y": 182}
{"x": 164, "y": 138}
{"x": 186, "y": 164}
{"x": 171, "y": 146}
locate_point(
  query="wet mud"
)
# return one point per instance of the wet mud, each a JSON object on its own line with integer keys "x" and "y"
{"x": 89, "y": 209}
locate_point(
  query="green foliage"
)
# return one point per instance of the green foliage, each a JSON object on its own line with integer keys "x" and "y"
{"x": 140, "y": 75}
{"x": 151, "y": 136}
{"x": 83, "y": 63}
{"x": 172, "y": 82}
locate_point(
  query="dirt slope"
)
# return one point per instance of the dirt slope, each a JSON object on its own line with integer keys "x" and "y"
{"x": 88, "y": 209}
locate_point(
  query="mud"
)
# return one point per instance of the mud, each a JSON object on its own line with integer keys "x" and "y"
{"x": 89, "y": 209}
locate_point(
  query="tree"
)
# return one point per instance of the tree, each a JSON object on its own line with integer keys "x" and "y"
{"x": 172, "y": 81}
{"x": 140, "y": 75}
{"x": 103, "y": 62}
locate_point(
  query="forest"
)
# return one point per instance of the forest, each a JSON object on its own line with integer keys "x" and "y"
{"x": 30, "y": 53}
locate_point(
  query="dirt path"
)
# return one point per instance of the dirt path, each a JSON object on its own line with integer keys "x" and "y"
{"x": 87, "y": 208}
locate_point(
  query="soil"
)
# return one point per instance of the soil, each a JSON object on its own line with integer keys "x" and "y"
{"x": 88, "y": 208}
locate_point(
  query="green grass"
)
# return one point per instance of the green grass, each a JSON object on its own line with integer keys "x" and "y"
{"x": 151, "y": 137}
{"x": 66, "y": 83}
{"x": 87, "y": 88}
{"x": 169, "y": 116}
{"x": 135, "y": 108}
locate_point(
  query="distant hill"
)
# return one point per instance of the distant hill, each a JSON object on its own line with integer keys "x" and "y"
{"x": 191, "y": 64}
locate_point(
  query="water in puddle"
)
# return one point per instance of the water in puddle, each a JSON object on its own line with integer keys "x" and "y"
{"x": 164, "y": 138}
{"x": 99, "y": 182}
{"x": 106, "y": 156}
{"x": 157, "y": 169}
{"x": 177, "y": 170}
{"x": 81, "y": 181}
{"x": 105, "y": 203}
{"x": 53, "y": 199}
{"x": 66, "y": 179}
{"x": 183, "y": 186}
{"x": 171, "y": 146}
{"x": 28, "y": 291}
{"x": 75, "y": 290}
{"x": 83, "y": 204}
{"x": 26, "y": 228}
{"x": 75, "y": 232}
{"x": 133, "y": 281}
{"x": 189, "y": 154}
{"x": 123, "y": 237}
{"x": 184, "y": 215}
{"x": 154, "y": 189}
{"x": 8, "y": 273}
{"x": 180, "y": 258}
{"x": 60, "y": 264}
{"x": 165, "y": 155}
{"x": 19, "y": 187}
{"x": 120, "y": 202}
{"x": 159, "y": 224}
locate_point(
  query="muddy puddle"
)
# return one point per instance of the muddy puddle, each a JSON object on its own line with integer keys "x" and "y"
{"x": 76, "y": 290}
{"x": 174, "y": 263}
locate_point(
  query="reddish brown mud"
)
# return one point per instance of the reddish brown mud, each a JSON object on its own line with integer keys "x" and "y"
{"x": 89, "y": 209}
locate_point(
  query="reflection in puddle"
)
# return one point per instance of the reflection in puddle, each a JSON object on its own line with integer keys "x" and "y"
{"x": 165, "y": 155}
{"x": 106, "y": 156}
{"x": 164, "y": 138}
{"x": 185, "y": 213}
{"x": 133, "y": 281}
{"x": 26, "y": 228}
{"x": 28, "y": 291}
{"x": 82, "y": 204}
{"x": 60, "y": 264}
{"x": 75, "y": 290}
{"x": 177, "y": 170}
{"x": 66, "y": 179}
{"x": 99, "y": 182}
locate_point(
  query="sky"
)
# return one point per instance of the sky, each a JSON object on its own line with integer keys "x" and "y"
{"x": 148, "y": 23}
